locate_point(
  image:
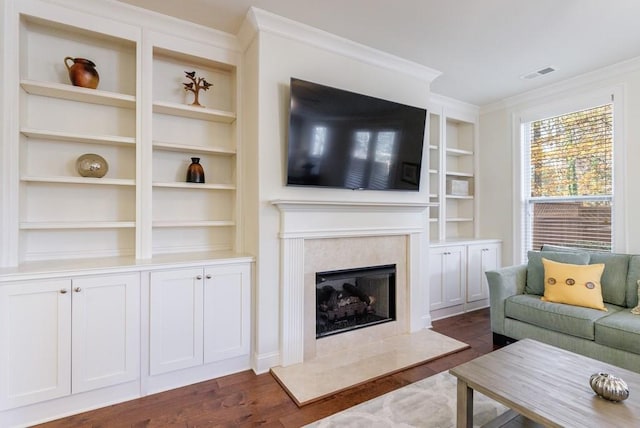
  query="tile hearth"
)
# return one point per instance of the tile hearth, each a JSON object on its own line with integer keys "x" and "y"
{"x": 322, "y": 376}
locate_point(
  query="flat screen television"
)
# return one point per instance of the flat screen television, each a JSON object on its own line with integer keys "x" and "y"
{"x": 346, "y": 140}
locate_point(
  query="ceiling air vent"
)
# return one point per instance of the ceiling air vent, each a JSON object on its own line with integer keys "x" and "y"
{"x": 538, "y": 73}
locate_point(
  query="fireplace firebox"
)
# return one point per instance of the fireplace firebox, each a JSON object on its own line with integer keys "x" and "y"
{"x": 349, "y": 299}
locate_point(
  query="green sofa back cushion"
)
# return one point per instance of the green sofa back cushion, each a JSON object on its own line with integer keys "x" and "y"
{"x": 632, "y": 281}
{"x": 619, "y": 280}
{"x": 535, "y": 270}
{"x": 614, "y": 277}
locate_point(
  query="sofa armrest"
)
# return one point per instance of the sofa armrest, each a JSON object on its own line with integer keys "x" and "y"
{"x": 503, "y": 283}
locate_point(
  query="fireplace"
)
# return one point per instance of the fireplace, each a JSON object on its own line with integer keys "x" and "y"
{"x": 350, "y": 299}
{"x": 319, "y": 236}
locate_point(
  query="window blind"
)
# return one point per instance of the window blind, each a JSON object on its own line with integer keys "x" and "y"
{"x": 570, "y": 191}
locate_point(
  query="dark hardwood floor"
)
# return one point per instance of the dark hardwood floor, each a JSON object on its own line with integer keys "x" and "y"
{"x": 247, "y": 400}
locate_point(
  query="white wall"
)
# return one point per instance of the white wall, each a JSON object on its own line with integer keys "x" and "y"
{"x": 498, "y": 146}
{"x": 280, "y": 58}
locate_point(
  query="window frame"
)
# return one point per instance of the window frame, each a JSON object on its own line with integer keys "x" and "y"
{"x": 555, "y": 107}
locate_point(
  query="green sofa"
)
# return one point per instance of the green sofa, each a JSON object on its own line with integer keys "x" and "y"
{"x": 613, "y": 336}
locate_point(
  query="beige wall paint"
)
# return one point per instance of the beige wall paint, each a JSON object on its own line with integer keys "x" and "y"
{"x": 495, "y": 190}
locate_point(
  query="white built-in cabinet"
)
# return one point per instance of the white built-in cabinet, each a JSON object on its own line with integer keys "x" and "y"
{"x": 457, "y": 282}
{"x": 110, "y": 286}
{"x": 481, "y": 257}
{"x": 175, "y": 319}
{"x": 198, "y": 316}
{"x": 447, "y": 274}
{"x": 457, "y": 257}
{"x": 66, "y": 336}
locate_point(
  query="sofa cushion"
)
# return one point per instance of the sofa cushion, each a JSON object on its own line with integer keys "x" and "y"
{"x": 568, "y": 319}
{"x": 614, "y": 278}
{"x": 577, "y": 285}
{"x": 620, "y": 330}
{"x": 632, "y": 281}
{"x": 535, "y": 270}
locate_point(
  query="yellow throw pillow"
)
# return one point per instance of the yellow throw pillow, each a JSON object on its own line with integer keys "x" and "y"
{"x": 577, "y": 285}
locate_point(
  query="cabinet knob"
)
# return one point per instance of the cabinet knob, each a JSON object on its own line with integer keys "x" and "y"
{"x": 208, "y": 276}
{"x": 199, "y": 277}
{"x": 77, "y": 289}
{"x": 63, "y": 291}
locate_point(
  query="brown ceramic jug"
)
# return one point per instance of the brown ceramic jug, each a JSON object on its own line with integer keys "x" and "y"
{"x": 82, "y": 73}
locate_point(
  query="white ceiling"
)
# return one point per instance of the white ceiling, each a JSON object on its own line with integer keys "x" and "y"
{"x": 481, "y": 46}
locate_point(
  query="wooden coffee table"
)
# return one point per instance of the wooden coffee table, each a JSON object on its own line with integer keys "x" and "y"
{"x": 545, "y": 385}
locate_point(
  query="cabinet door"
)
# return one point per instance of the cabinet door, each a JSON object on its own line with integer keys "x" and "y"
{"x": 106, "y": 331}
{"x": 436, "y": 279}
{"x": 447, "y": 275}
{"x": 455, "y": 275}
{"x": 175, "y": 320}
{"x": 35, "y": 339}
{"x": 227, "y": 305}
{"x": 481, "y": 258}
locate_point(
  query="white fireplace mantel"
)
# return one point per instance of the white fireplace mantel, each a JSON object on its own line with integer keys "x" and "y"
{"x": 302, "y": 220}
{"x": 314, "y": 219}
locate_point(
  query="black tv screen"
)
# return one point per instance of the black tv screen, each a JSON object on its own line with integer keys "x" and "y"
{"x": 347, "y": 140}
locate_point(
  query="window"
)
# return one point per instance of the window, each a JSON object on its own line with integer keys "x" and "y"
{"x": 568, "y": 180}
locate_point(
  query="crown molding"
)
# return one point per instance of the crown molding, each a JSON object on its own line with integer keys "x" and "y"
{"x": 258, "y": 20}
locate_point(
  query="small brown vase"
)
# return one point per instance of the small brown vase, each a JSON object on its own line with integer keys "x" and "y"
{"x": 82, "y": 73}
{"x": 195, "y": 172}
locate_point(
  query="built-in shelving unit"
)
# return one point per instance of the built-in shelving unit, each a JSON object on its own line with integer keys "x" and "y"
{"x": 140, "y": 120}
{"x": 59, "y": 213}
{"x": 452, "y": 173}
{"x": 139, "y": 262}
{"x": 202, "y": 214}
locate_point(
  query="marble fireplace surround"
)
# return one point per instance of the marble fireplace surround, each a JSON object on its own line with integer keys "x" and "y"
{"x": 320, "y": 236}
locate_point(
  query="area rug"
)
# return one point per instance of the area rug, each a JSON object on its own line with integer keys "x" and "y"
{"x": 315, "y": 379}
{"x": 429, "y": 403}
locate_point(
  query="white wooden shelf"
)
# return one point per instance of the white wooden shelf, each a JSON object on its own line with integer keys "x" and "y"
{"x": 460, "y": 174}
{"x": 81, "y": 180}
{"x": 193, "y": 112}
{"x": 180, "y": 185}
{"x": 75, "y": 93}
{"x": 203, "y": 223}
{"x": 194, "y": 149}
{"x": 77, "y": 225}
{"x": 78, "y": 138}
{"x": 459, "y": 152}
{"x": 459, "y": 196}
